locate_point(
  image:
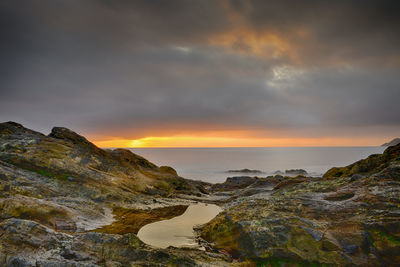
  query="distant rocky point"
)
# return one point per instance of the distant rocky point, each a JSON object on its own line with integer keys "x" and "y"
{"x": 245, "y": 171}
{"x": 394, "y": 142}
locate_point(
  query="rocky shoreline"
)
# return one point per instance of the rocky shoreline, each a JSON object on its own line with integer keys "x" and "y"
{"x": 66, "y": 202}
{"x": 350, "y": 216}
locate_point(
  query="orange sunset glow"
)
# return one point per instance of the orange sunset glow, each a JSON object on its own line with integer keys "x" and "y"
{"x": 201, "y": 141}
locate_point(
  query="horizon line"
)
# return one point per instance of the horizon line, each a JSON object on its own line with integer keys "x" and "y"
{"x": 242, "y": 147}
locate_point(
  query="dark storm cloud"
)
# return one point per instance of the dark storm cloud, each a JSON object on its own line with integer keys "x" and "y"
{"x": 136, "y": 68}
{"x": 342, "y": 30}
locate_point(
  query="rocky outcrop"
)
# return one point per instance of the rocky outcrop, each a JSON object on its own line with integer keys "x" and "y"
{"x": 27, "y": 243}
{"x": 345, "y": 221}
{"x": 66, "y": 202}
{"x": 394, "y": 142}
{"x": 372, "y": 164}
{"x": 68, "y": 157}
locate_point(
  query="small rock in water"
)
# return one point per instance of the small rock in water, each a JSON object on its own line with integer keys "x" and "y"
{"x": 244, "y": 171}
{"x": 296, "y": 172}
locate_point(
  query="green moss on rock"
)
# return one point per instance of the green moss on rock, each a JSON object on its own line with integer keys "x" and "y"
{"x": 371, "y": 164}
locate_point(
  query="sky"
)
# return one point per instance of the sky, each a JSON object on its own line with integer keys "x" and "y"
{"x": 176, "y": 73}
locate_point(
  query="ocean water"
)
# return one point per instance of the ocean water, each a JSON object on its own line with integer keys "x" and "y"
{"x": 211, "y": 164}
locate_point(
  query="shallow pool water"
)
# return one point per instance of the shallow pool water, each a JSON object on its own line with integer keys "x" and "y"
{"x": 178, "y": 231}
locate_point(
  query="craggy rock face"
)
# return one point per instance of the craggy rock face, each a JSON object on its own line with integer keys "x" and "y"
{"x": 344, "y": 221}
{"x": 65, "y": 182}
{"x": 56, "y": 190}
{"x": 370, "y": 165}
{"x": 37, "y": 245}
{"x": 68, "y": 157}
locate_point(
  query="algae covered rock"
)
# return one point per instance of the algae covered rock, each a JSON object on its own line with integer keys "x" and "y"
{"x": 371, "y": 164}
{"x": 27, "y": 243}
{"x": 168, "y": 169}
{"x": 234, "y": 183}
{"x": 318, "y": 221}
{"x": 70, "y": 158}
{"x": 66, "y": 202}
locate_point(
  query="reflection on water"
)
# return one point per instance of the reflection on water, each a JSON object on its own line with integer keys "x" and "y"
{"x": 178, "y": 231}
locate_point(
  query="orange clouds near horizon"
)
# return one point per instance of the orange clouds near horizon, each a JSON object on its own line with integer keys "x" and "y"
{"x": 210, "y": 141}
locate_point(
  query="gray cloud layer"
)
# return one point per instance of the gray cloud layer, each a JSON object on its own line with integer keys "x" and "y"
{"x": 141, "y": 67}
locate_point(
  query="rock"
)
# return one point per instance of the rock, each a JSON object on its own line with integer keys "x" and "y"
{"x": 340, "y": 196}
{"x": 295, "y": 172}
{"x": 67, "y": 134}
{"x": 234, "y": 183}
{"x": 349, "y": 248}
{"x": 17, "y": 261}
{"x": 67, "y": 157}
{"x": 323, "y": 221}
{"x": 128, "y": 157}
{"x": 288, "y": 182}
{"x": 65, "y": 226}
{"x": 41, "y": 246}
{"x": 168, "y": 169}
{"x": 244, "y": 171}
{"x": 371, "y": 164}
{"x": 394, "y": 142}
{"x": 45, "y": 212}
{"x": 10, "y": 128}
{"x": 355, "y": 177}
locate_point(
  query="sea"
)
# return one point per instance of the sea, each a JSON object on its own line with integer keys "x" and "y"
{"x": 211, "y": 164}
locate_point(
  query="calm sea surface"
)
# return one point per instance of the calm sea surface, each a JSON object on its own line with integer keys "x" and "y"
{"x": 210, "y": 164}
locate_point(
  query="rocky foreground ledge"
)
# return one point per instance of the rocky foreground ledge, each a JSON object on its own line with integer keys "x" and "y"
{"x": 350, "y": 216}
{"x": 66, "y": 202}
